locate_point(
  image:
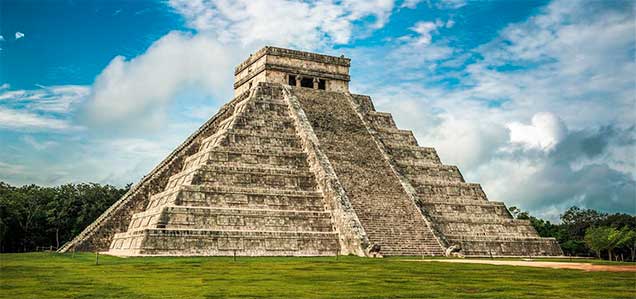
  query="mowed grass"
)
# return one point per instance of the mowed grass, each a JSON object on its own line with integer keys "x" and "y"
{"x": 50, "y": 275}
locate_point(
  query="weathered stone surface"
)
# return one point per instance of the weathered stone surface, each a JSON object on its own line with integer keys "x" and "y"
{"x": 305, "y": 168}
{"x": 460, "y": 212}
{"x": 389, "y": 217}
{"x": 280, "y": 212}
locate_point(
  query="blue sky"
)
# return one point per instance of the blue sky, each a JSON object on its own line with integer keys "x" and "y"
{"x": 535, "y": 100}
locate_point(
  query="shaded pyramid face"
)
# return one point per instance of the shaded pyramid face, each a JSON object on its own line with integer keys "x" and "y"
{"x": 248, "y": 190}
{"x": 297, "y": 166}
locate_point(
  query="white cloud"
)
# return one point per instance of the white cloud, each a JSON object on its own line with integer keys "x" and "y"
{"x": 545, "y": 132}
{"x": 450, "y": 4}
{"x": 412, "y": 4}
{"x": 45, "y": 109}
{"x": 19, "y": 35}
{"x": 24, "y": 120}
{"x": 425, "y": 29}
{"x": 1, "y": 38}
{"x": 305, "y": 25}
{"x": 574, "y": 59}
{"x": 38, "y": 145}
{"x": 546, "y": 63}
{"x": 135, "y": 147}
{"x": 139, "y": 90}
{"x": 54, "y": 99}
{"x": 417, "y": 50}
{"x": 10, "y": 169}
{"x": 201, "y": 112}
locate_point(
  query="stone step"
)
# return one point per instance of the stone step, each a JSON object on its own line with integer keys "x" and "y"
{"x": 396, "y": 136}
{"x": 149, "y": 218}
{"x": 224, "y": 243}
{"x": 405, "y": 243}
{"x": 164, "y": 197}
{"x": 491, "y": 237}
{"x": 184, "y": 177}
{"x": 262, "y": 108}
{"x": 255, "y": 141}
{"x": 263, "y": 103}
{"x": 389, "y": 250}
{"x": 225, "y": 123}
{"x": 431, "y": 172}
{"x": 418, "y": 248}
{"x": 365, "y": 104}
{"x": 223, "y": 155}
{"x": 191, "y": 195}
{"x": 265, "y": 124}
{"x": 393, "y": 131}
{"x": 465, "y": 212}
{"x": 257, "y": 115}
{"x": 243, "y": 137}
{"x": 436, "y": 190}
{"x": 508, "y": 246}
{"x": 490, "y": 228}
{"x": 462, "y": 202}
{"x": 256, "y": 198}
{"x": 479, "y": 221}
{"x": 416, "y": 163}
{"x": 212, "y": 218}
{"x": 411, "y": 153}
{"x": 381, "y": 119}
{"x": 244, "y": 176}
{"x": 213, "y": 140}
{"x": 449, "y": 198}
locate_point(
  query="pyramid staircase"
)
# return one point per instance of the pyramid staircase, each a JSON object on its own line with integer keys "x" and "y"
{"x": 461, "y": 213}
{"x": 390, "y": 219}
{"x": 248, "y": 190}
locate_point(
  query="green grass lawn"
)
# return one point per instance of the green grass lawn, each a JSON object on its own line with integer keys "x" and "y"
{"x": 50, "y": 275}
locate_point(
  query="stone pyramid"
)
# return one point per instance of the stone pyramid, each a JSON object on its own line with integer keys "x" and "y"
{"x": 295, "y": 165}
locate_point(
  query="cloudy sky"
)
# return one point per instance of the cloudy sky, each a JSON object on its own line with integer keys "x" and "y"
{"x": 535, "y": 100}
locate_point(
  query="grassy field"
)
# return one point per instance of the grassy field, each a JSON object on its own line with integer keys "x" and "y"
{"x": 50, "y": 275}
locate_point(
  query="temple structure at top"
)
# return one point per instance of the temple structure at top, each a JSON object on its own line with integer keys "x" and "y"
{"x": 295, "y": 68}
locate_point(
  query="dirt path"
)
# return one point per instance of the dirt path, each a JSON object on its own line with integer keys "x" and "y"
{"x": 554, "y": 265}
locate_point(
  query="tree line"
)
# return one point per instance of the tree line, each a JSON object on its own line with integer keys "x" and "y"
{"x": 587, "y": 232}
{"x": 33, "y": 216}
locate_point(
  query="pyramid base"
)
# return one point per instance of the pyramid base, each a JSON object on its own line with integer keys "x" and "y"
{"x": 171, "y": 242}
{"x": 510, "y": 247}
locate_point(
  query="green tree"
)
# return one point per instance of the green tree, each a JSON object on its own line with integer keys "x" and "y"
{"x": 630, "y": 243}
{"x": 597, "y": 238}
{"x": 576, "y": 220}
{"x": 517, "y": 213}
{"x": 620, "y": 238}
{"x": 32, "y": 216}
